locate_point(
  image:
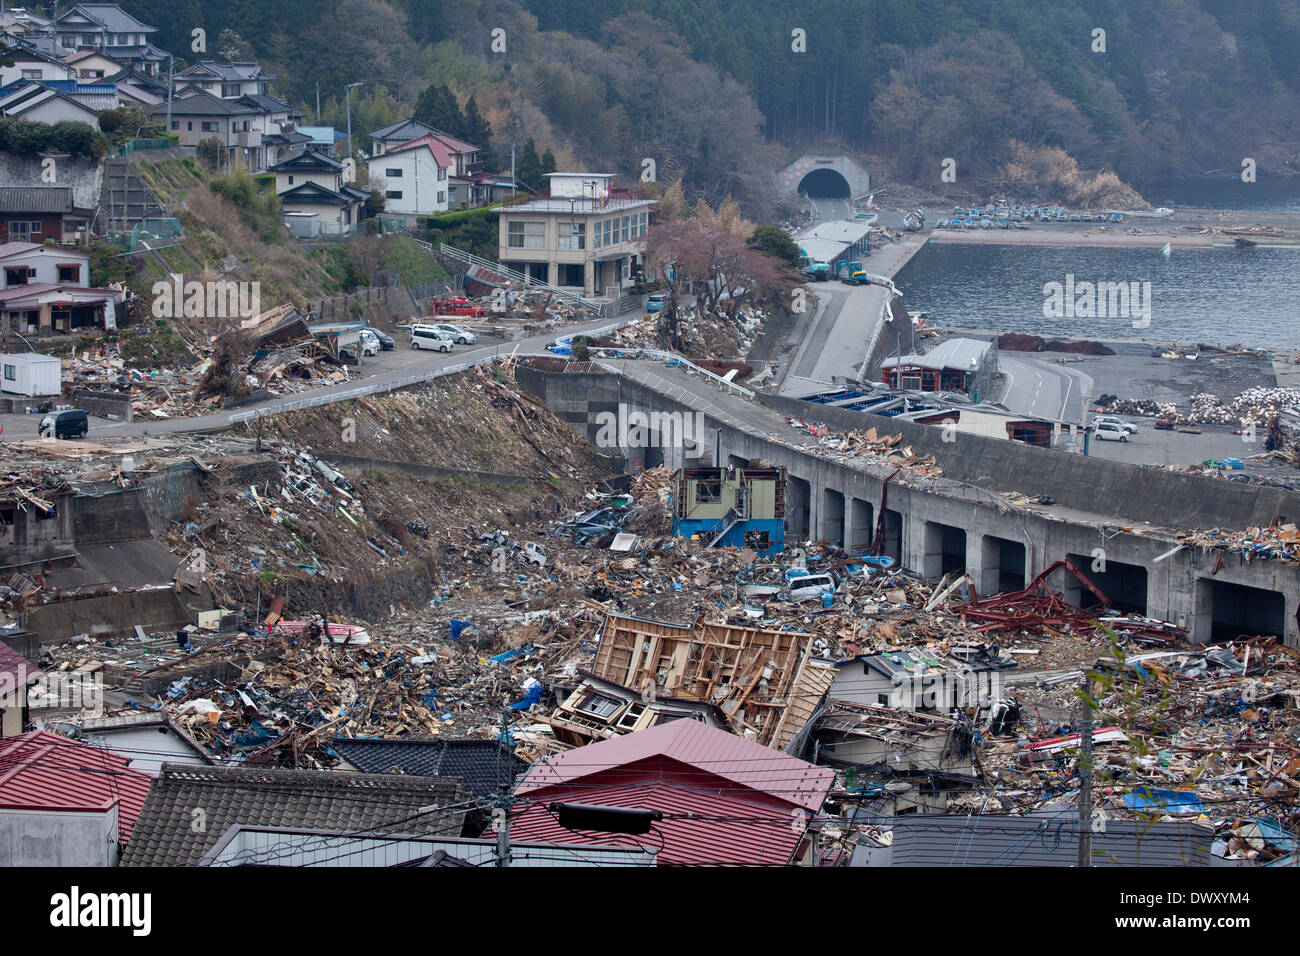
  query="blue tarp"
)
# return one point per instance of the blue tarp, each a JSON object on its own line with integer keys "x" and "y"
{"x": 1164, "y": 801}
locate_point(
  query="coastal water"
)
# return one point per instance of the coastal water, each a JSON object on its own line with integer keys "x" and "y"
{"x": 1263, "y": 195}
{"x": 1221, "y": 296}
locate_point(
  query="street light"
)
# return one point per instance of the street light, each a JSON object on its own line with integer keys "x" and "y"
{"x": 348, "y": 95}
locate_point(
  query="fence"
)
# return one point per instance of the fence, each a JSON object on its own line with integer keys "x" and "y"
{"x": 151, "y": 229}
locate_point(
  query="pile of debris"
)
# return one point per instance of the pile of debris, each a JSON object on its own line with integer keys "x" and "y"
{"x": 1279, "y": 543}
{"x": 869, "y": 447}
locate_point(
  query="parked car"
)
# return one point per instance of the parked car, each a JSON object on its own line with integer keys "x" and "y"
{"x": 69, "y": 423}
{"x": 385, "y": 341}
{"x": 459, "y": 334}
{"x": 1109, "y": 431}
{"x": 1127, "y": 426}
{"x": 657, "y": 302}
{"x": 368, "y": 343}
{"x": 430, "y": 337}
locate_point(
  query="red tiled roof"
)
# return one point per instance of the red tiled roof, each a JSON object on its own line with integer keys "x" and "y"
{"x": 746, "y": 765}
{"x": 43, "y": 771}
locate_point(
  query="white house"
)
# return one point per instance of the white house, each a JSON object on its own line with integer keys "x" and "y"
{"x": 415, "y": 177}
{"x": 31, "y": 64}
{"x": 229, "y": 81}
{"x": 30, "y": 100}
{"x": 586, "y": 235}
{"x": 47, "y": 289}
{"x": 313, "y": 184}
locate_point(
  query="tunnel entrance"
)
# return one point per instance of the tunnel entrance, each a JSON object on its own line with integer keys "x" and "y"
{"x": 945, "y": 550}
{"x": 1124, "y": 584}
{"x": 832, "y": 518}
{"x": 1002, "y": 565}
{"x": 1237, "y": 609}
{"x": 825, "y": 184}
{"x": 796, "y": 509}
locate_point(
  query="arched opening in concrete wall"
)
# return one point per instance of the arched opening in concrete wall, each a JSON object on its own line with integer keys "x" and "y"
{"x": 825, "y": 184}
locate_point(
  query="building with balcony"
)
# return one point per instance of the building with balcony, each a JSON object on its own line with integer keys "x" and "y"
{"x": 585, "y": 234}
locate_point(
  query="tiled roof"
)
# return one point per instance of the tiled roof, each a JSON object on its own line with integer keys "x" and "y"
{"x": 43, "y": 771}
{"x": 484, "y": 765}
{"x": 407, "y": 129}
{"x": 110, "y": 16}
{"x": 203, "y": 103}
{"x": 318, "y": 799}
{"x": 36, "y": 199}
{"x": 745, "y": 764}
{"x": 227, "y": 71}
{"x": 441, "y": 154}
{"x": 307, "y": 161}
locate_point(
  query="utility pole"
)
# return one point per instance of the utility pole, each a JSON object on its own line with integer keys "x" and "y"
{"x": 501, "y": 812}
{"x": 348, "y": 96}
{"x": 1085, "y": 780}
{"x": 171, "y": 62}
{"x": 318, "y": 102}
{"x": 512, "y": 170}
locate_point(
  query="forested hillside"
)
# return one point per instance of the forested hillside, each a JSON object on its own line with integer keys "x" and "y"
{"x": 714, "y": 92}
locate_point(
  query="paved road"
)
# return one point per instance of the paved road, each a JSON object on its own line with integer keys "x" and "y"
{"x": 384, "y": 368}
{"x": 834, "y": 342}
{"x": 1043, "y": 390}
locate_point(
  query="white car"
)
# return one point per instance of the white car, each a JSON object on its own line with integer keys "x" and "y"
{"x": 430, "y": 337}
{"x": 806, "y": 588}
{"x": 1109, "y": 431}
{"x": 369, "y": 343}
{"x": 459, "y": 335}
{"x": 1111, "y": 419}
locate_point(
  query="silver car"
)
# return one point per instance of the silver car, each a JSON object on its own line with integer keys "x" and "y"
{"x": 459, "y": 335}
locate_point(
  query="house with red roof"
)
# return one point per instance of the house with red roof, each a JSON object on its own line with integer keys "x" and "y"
{"x": 415, "y": 177}
{"x": 725, "y": 800}
{"x": 65, "y": 803}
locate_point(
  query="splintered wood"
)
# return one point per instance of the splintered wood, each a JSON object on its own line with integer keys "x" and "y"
{"x": 763, "y": 681}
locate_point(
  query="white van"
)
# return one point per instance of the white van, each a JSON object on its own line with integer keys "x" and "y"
{"x": 1109, "y": 431}
{"x": 430, "y": 337}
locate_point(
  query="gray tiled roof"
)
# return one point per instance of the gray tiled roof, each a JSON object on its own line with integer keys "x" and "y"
{"x": 484, "y": 765}
{"x": 165, "y": 833}
{"x": 1042, "y": 839}
{"x": 36, "y": 199}
{"x": 110, "y": 16}
{"x": 402, "y": 132}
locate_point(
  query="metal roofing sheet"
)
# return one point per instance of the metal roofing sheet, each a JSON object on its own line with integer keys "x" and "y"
{"x": 43, "y": 771}
{"x": 749, "y": 765}
{"x": 737, "y": 832}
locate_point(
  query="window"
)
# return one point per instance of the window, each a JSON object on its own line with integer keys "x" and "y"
{"x": 442, "y": 197}
{"x": 643, "y": 224}
{"x": 393, "y": 194}
{"x": 291, "y": 180}
{"x": 70, "y": 273}
{"x": 630, "y": 716}
{"x": 442, "y": 173}
{"x": 189, "y": 126}
{"x": 599, "y": 705}
{"x": 625, "y": 234}
{"x": 606, "y": 227}
{"x": 573, "y": 235}
{"x": 176, "y": 124}
{"x": 708, "y": 491}
{"x": 526, "y": 235}
{"x": 208, "y": 127}
{"x": 31, "y": 74}
{"x": 230, "y": 89}
{"x": 393, "y": 173}
{"x": 11, "y": 373}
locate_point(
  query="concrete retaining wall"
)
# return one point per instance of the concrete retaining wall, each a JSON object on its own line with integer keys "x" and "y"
{"x": 929, "y": 528}
{"x": 1168, "y": 499}
{"x": 115, "y": 404}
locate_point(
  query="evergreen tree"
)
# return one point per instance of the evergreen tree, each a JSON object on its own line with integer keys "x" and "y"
{"x": 548, "y": 163}
{"x": 478, "y": 132}
{"x": 438, "y": 108}
{"x": 528, "y": 166}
